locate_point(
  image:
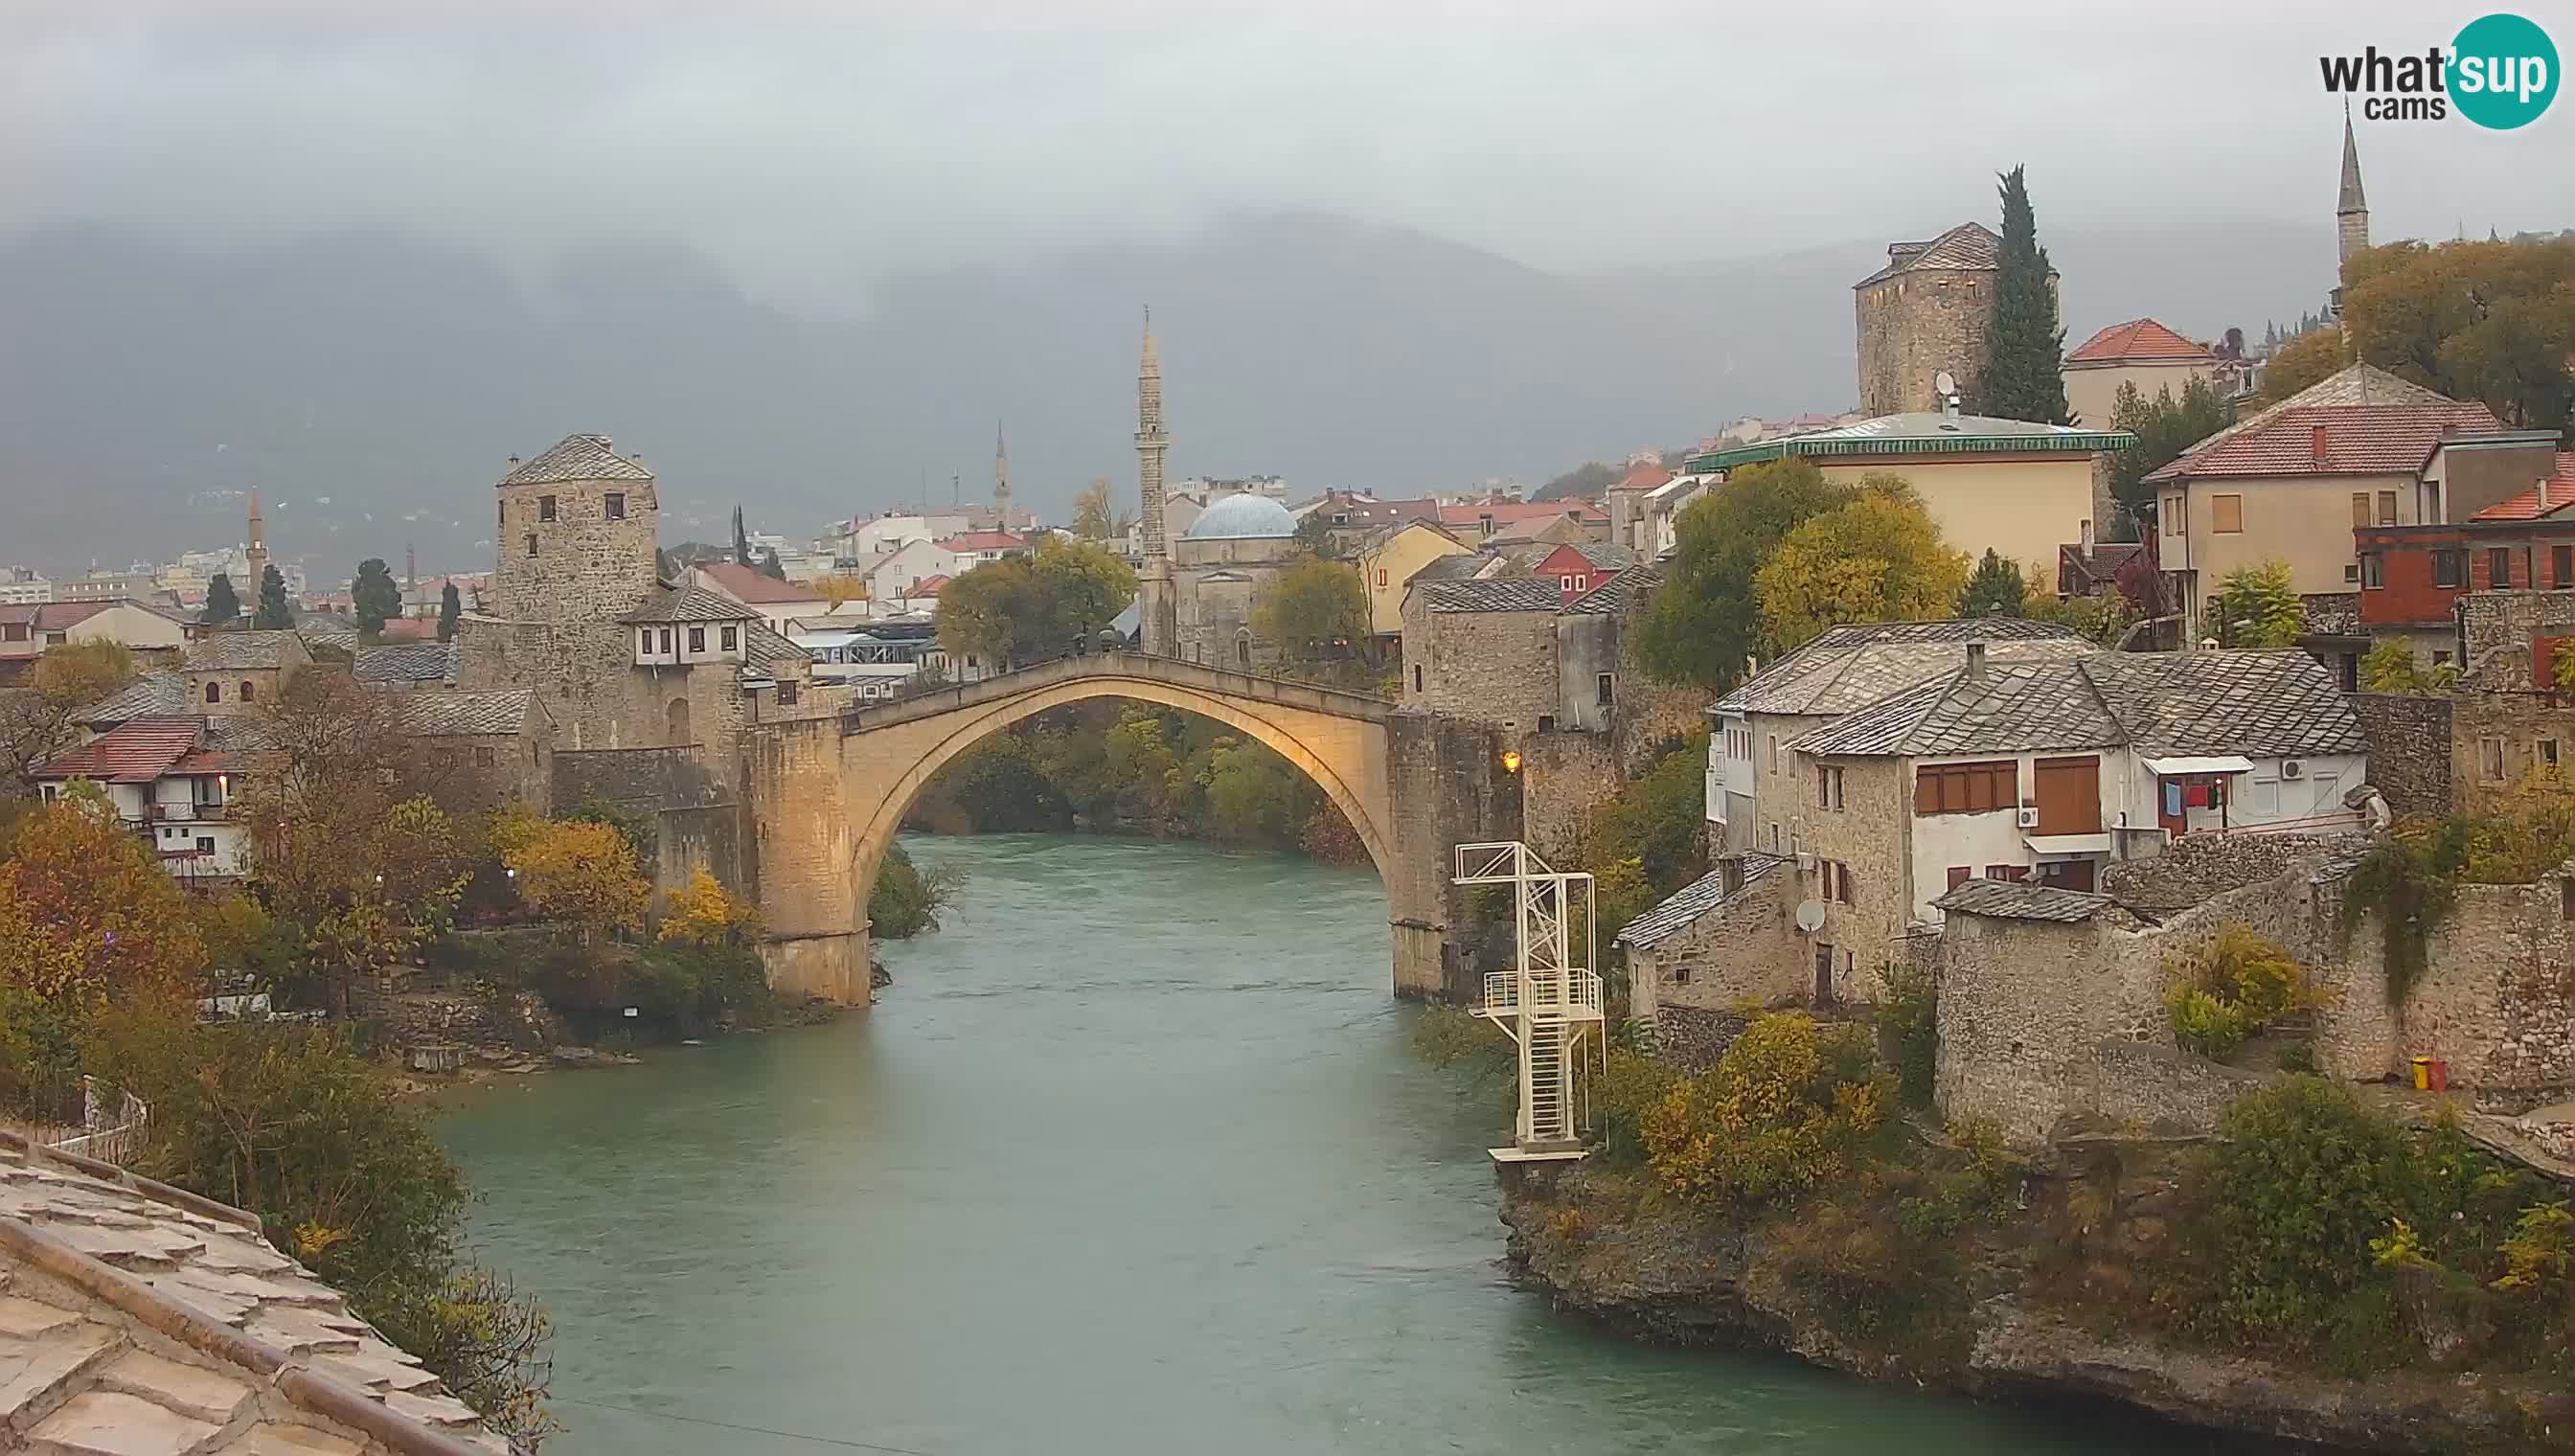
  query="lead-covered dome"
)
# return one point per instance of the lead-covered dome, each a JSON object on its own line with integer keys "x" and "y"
{"x": 1241, "y": 517}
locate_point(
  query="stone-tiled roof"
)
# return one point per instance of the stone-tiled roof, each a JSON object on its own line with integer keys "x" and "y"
{"x": 1457, "y": 566}
{"x": 766, "y": 651}
{"x": 2139, "y": 340}
{"x": 690, "y": 603}
{"x": 577, "y": 458}
{"x": 1697, "y": 898}
{"x": 1600, "y": 553}
{"x": 2257, "y": 703}
{"x": 2164, "y": 705}
{"x": 1611, "y": 598}
{"x": 441, "y": 714}
{"x": 425, "y": 662}
{"x": 1501, "y": 594}
{"x": 240, "y": 652}
{"x": 135, "y": 1318}
{"x": 1849, "y": 668}
{"x": 2022, "y": 900}
{"x": 1966, "y": 246}
{"x": 148, "y": 695}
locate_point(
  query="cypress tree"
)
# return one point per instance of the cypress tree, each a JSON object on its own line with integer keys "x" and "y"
{"x": 449, "y": 607}
{"x": 2025, "y": 346}
{"x": 772, "y": 568}
{"x": 223, "y": 606}
{"x": 741, "y": 542}
{"x": 1996, "y": 588}
{"x": 375, "y": 595}
{"x": 273, "y": 613}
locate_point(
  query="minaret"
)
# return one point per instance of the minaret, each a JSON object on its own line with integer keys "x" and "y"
{"x": 1000, "y": 480}
{"x": 2351, "y": 211}
{"x": 256, "y": 554}
{"x": 1157, "y": 626}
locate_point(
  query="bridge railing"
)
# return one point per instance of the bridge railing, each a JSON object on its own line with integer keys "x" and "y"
{"x": 1178, "y": 671}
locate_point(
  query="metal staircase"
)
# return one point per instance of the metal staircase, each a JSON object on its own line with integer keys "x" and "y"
{"x": 1549, "y": 1001}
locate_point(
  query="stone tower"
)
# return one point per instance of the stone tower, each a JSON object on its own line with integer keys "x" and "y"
{"x": 577, "y": 535}
{"x": 1157, "y": 626}
{"x": 1927, "y": 309}
{"x": 256, "y": 554}
{"x": 2351, "y": 210}
{"x": 1000, "y": 480}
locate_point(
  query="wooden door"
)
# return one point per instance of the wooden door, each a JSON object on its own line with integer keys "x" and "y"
{"x": 2069, "y": 796}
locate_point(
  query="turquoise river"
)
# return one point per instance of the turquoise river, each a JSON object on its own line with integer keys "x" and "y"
{"x": 1132, "y": 1158}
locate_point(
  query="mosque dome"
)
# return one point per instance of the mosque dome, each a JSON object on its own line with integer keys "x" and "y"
{"x": 1242, "y": 517}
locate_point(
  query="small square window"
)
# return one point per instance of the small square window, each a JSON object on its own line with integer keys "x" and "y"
{"x": 2449, "y": 568}
{"x": 1680, "y": 974}
{"x": 205, "y": 844}
{"x": 617, "y": 505}
{"x": 2226, "y": 515}
{"x": 545, "y": 507}
{"x": 787, "y": 690}
{"x": 696, "y": 639}
{"x": 485, "y": 758}
{"x": 2351, "y": 573}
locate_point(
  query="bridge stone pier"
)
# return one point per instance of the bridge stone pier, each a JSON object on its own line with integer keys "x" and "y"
{"x": 825, "y": 796}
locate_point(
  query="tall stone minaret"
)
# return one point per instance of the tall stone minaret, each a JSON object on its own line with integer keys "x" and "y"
{"x": 1157, "y": 624}
{"x": 1000, "y": 480}
{"x": 257, "y": 555}
{"x": 2351, "y": 210}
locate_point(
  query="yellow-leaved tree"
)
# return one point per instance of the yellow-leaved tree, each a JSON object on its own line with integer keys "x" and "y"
{"x": 703, "y": 912}
{"x": 1879, "y": 557}
{"x": 576, "y": 870}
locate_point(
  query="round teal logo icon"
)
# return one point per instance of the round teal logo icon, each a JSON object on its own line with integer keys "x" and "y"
{"x": 2503, "y": 72}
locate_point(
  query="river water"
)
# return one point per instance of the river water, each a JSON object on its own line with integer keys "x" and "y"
{"x": 1130, "y": 1158}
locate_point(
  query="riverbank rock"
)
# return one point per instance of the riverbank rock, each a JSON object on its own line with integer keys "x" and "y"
{"x": 1667, "y": 1276}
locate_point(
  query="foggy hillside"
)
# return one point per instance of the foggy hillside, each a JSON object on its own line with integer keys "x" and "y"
{"x": 141, "y": 387}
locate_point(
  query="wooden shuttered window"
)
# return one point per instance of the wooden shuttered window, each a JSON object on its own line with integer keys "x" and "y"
{"x": 1950, "y": 789}
{"x": 2226, "y": 515}
{"x": 2360, "y": 516}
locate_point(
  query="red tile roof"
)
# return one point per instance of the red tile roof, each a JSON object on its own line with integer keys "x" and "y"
{"x": 971, "y": 540}
{"x": 929, "y": 585}
{"x": 136, "y": 751}
{"x": 2355, "y": 440}
{"x": 409, "y": 629}
{"x": 1643, "y": 478}
{"x": 2139, "y": 340}
{"x": 751, "y": 587}
{"x": 2527, "y": 507}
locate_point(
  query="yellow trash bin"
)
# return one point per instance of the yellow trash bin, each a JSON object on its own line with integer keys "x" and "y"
{"x": 2422, "y": 1073}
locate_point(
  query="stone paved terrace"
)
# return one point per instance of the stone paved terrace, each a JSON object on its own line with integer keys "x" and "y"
{"x": 138, "y": 1320}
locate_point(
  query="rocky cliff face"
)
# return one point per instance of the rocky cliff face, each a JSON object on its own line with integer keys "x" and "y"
{"x": 1998, "y": 1324}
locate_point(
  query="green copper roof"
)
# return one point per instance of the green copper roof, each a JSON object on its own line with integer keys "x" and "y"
{"x": 1921, "y": 433}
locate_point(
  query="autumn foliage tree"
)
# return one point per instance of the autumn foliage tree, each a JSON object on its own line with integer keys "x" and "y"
{"x": 2309, "y": 359}
{"x": 36, "y": 718}
{"x": 1705, "y": 624}
{"x": 573, "y": 871}
{"x": 2491, "y": 320}
{"x": 1877, "y": 559}
{"x": 1315, "y": 612}
{"x": 704, "y": 913}
{"x": 1032, "y": 608}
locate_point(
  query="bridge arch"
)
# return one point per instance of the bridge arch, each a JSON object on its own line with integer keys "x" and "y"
{"x": 1355, "y": 783}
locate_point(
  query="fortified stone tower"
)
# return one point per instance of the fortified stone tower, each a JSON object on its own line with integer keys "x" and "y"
{"x": 1157, "y": 624}
{"x": 2351, "y": 210}
{"x": 1927, "y": 309}
{"x": 579, "y": 529}
{"x": 575, "y": 553}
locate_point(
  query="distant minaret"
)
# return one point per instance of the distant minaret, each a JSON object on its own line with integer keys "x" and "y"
{"x": 256, "y": 552}
{"x": 1000, "y": 480}
{"x": 2351, "y": 211}
{"x": 1157, "y": 626}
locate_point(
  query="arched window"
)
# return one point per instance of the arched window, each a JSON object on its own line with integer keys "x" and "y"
{"x": 249, "y": 691}
{"x": 214, "y": 692}
{"x": 1242, "y": 651}
{"x": 676, "y": 719}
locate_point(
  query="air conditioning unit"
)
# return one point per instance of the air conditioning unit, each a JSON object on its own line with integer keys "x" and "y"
{"x": 2291, "y": 767}
{"x": 2029, "y": 819}
{"x": 1805, "y": 862}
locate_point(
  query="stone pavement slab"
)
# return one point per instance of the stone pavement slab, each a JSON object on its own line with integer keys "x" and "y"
{"x": 112, "y": 1423}
{"x": 187, "y": 1389}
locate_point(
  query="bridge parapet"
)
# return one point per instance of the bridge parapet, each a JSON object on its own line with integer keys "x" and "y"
{"x": 1171, "y": 671}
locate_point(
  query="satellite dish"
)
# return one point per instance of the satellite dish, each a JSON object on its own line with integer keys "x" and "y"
{"x": 1811, "y": 917}
{"x": 1947, "y": 383}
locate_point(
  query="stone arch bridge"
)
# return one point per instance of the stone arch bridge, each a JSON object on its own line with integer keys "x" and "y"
{"x": 825, "y": 796}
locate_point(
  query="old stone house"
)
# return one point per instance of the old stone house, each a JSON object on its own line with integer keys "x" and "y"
{"x": 1844, "y": 669}
{"x": 482, "y": 751}
{"x": 229, "y": 673}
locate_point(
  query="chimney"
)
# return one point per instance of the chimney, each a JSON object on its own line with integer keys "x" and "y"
{"x": 2321, "y": 447}
{"x": 2087, "y": 539}
{"x": 2543, "y": 495}
{"x": 1976, "y": 662}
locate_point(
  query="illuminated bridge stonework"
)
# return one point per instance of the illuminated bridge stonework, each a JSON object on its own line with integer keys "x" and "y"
{"x": 826, "y": 796}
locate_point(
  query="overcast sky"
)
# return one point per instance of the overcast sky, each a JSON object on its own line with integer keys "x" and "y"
{"x": 814, "y": 150}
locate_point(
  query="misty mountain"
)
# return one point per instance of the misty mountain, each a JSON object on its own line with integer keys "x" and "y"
{"x": 373, "y": 386}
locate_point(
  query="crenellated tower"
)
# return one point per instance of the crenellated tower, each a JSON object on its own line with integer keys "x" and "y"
{"x": 1157, "y": 624}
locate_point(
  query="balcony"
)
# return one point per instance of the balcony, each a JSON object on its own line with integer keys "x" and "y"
{"x": 188, "y": 813}
{"x": 1571, "y": 996}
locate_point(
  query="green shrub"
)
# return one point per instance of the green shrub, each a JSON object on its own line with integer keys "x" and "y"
{"x": 2231, "y": 987}
{"x": 1635, "y": 1081}
{"x": 906, "y": 901}
{"x": 1781, "y": 1112}
{"x": 1446, "y": 1036}
{"x": 2205, "y": 1024}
